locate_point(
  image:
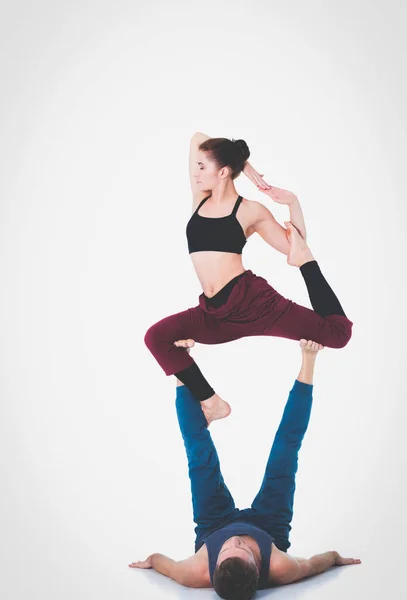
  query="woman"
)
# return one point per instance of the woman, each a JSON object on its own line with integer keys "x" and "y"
{"x": 235, "y": 302}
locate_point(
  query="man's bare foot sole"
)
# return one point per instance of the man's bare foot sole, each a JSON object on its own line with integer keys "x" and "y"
{"x": 310, "y": 347}
{"x": 184, "y": 343}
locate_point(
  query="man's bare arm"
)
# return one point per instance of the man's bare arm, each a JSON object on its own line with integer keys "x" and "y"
{"x": 287, "y": 569}
{"x": 187, "y": 572}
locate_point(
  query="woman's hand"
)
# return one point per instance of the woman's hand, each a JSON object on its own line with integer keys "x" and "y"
{"x": 254, "y": 176}
{"x": 142, "y": 564}
{"x": 279, "y": 195}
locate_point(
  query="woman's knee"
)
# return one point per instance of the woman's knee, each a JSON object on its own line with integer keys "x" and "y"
{"x": 153, "y": 336}
{"x": 338, "y": 331}
{"x": 342, "y": 337}
{"x": 345, "y": 339}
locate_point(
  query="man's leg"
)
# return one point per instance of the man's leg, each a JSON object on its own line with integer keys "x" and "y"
{"x": 273, "y": 505}
{"x": 212, "y": 502}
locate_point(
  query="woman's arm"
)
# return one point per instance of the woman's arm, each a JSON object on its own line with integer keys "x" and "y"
{"x": 199, "y": 137}
{"x": 297, "y": 218}
{"x": 285, "y": 197}
{"x": 269, "y": 229}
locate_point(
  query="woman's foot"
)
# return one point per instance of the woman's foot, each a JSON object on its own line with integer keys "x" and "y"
{"x": 214, "y": 408}
{"x": 299, "y": 253}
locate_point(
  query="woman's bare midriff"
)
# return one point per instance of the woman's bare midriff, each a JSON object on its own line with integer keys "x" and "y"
{"x": 216, "y": 269}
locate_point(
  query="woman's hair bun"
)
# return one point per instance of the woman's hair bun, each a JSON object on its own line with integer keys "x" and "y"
{"x": 243, "y": 147}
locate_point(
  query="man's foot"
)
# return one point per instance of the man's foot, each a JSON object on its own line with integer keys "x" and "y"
{"x": 310, "y": 347}
{"x": 185, "y": 343}
{"x": 309, "y": 350}
{"x": 215, "y": 408}
{"x": 299, "y": 253}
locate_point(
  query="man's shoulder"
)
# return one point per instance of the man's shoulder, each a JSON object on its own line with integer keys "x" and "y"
{"x": 281, "y": 564}
{"x": 195, "y": 569}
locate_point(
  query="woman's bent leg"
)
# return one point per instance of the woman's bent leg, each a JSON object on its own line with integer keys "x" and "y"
{"x": 333, "y": 328}
{"x": 194, "y": 379}
{"x": 296, "y": 322}
{"x": 321, "y": 295}
{"x": 326, "y": 324}
{"x": 160, "y": 338}
{"x": 175, "y": 360}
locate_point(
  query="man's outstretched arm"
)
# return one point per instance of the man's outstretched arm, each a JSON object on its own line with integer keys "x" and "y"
{"x": 188, "y": 572}
{"x": 287, "y": 569}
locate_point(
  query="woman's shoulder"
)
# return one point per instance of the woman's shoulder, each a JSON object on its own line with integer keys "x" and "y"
{"x": 252, "y": 205}
{"x": 255, "y": 211}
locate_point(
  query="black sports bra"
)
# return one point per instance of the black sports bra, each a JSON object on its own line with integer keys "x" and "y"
{"x": 221, "y": 234}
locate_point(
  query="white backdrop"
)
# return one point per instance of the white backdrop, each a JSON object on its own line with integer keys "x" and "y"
{"x": 99, "y": 100}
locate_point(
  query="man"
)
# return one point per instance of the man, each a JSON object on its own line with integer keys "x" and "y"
{"x": 240, "y": 551}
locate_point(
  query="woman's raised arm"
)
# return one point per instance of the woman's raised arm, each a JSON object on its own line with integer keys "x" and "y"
{"x": 285, "y": 197}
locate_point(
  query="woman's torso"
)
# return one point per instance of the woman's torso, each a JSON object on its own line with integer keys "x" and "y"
{"x": 213, "y": 268}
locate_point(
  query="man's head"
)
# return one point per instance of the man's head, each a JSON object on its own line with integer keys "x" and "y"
{"x": 236, "y": 575}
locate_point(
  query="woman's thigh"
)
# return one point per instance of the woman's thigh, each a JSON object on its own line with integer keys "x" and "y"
{"x": 191, "y": 323}
{"x": 262, "y": 310}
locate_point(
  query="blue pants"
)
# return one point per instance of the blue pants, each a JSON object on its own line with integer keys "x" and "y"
{"x": 212, "y": 503}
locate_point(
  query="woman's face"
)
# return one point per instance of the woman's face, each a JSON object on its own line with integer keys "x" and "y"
{"x": 207, "y": 175}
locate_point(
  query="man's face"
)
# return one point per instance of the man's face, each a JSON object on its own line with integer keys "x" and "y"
{"x": 236, "y": 547}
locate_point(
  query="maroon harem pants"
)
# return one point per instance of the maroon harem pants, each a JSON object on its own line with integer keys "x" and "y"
{"x": 252, "y": 308}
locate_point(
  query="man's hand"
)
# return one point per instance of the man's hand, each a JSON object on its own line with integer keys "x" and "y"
{"x": 190, "y": 572}
{"x": 287, "y": 569}
{"x": 340, "y": 561}
{"x": 142, "y": 564}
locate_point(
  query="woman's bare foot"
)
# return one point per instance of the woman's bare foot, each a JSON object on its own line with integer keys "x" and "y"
{"x": 214, "y": 408}
{"x": 299, "y": 253}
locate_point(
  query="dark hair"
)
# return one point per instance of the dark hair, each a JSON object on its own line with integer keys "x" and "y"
{"x": 236, "y": 579}
{"x": 227, "y": 153}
